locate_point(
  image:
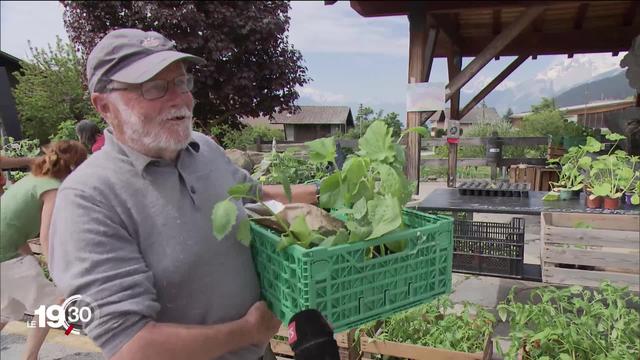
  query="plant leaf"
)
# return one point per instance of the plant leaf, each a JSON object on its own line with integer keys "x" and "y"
{"x": 239, "y": 190}
{"x": 244, "y": 232}
{"x": 502, "y": 312}
{"x": 565, "y": 356}
{"x": 223, "y": 217}
{"x": 360, "y": 208}
{"x": 331, "y": 193}
{"x": 385, "y": 215}
{"x": 614, "y": 137}
{"x": 284, "y": 180}
{"x": 286, "y": 240}
{"x": 592, "y": 145}
{"x": 377, "y": 143}
{"x": 635, "y": 199}
{"x": 417, "y": 129}
{"x": 357, "y": 232}
{"x": 300, "y": 230}
{"x": 322, "y": 150}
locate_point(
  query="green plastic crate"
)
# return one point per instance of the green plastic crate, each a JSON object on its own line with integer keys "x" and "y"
{"x": 348, "y": 288}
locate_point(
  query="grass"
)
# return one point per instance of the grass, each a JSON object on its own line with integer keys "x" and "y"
{"x": 466, "y": 172}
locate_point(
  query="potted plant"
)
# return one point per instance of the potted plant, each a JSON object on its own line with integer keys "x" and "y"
{"x": 633, "y": 196}
{"x": 613, "y": 175}
{"x": 574, "y": 164}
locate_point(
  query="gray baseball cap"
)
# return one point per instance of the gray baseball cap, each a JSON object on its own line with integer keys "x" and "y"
{"x": 131, "y": 56}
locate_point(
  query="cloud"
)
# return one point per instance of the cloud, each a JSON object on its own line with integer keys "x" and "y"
{"x": 37, "y": 21}
{"x": 337, "y": 28}
{"x": 321, "y": 96}
{"x": 565, "y": 73}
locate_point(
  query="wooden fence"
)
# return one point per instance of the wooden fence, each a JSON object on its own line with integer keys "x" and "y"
{"x": 493, "y": 157}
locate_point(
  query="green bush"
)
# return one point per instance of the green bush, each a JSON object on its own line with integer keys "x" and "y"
{"x": 50, "y": 91}
{"x": 241, "y": 139}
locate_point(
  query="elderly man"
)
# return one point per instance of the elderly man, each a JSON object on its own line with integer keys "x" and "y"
{"x": 132, "y": 226}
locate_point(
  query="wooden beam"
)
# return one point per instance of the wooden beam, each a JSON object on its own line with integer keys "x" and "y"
{"x": 422, "y": 38}
{"x": 579, "y": 20}
{"x": 449, "y": 26}
{"x": 583, "y": 41}
{"x": 632, "y": 14}
{"x": 368, "y": 8}
{"x": 492, "y": 85}
{"x": 454, "y": 65}
{"x": 497, "y": 21}
{"x": 493, "y": 49}
{"x": 429, "y": 51}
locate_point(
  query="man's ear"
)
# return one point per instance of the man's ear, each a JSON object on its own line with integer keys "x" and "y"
{"x": 99, "y": 103}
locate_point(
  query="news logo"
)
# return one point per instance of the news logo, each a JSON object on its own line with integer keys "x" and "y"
{"x": 75, "y": 310}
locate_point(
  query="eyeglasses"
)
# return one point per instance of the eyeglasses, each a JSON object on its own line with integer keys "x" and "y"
{"x": 156, "y": 89}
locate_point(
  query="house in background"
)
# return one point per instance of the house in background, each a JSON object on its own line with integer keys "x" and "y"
{"x": 309, "y": 123}
{"x": 591, "y": 115}
{"x": 10, "y": 124}
{"x": 478, "y": 114}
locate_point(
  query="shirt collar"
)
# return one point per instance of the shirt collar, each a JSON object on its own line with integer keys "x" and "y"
{"x": 140, "y": 161}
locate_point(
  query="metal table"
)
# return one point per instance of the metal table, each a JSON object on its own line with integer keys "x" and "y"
{"x": 450, "y": 200}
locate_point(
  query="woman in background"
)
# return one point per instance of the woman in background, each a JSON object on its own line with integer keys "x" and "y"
{"x": 90, "y": 135}
{"x": 25, "y": 210}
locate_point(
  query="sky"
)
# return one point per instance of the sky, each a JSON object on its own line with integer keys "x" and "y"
{"x": 351, "y": 59}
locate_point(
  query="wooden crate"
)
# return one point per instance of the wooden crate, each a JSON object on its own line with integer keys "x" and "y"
{"x": 537, "y": 176}
{"x": 609, "y": 250}
{"x": 282, "y": 350}
{"x": 371, "y": 347}
{"x": 543, "y": 177}
{"x": 523, "y": 174}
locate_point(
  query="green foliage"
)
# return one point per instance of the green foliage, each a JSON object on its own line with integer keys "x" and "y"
{"x": 50, "y": 91}
{"x": 296, "y": 169}
{"x": 22, "y": 148}
{"x": 487, "y": 129}
{"x": 67, "y": 129}
{"x": 436, "y": 325}
{"x": 368, "y": 193}
{"x": 367, "y": 116}
{"x": 241, "y": 139}
{"x": 464, "y": 172}
{"x": 573, "y": 323}
{"x": 612, "y": 174}
{"x": 546, "y": 119}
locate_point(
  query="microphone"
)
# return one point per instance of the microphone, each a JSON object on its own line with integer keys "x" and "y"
{"x": 311, "y": 337}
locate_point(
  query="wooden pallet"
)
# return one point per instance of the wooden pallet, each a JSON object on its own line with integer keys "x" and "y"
{"x": 282, "y": 350}
{"x": 371, "y": 347}
{"x": 608, "y": 250}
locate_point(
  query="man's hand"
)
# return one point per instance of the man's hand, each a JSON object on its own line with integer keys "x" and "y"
{"x": 299, "y": 194}
{"x": 262, "y": 322}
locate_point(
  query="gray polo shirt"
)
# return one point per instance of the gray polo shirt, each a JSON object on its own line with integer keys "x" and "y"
{"x": 134, "y": 235}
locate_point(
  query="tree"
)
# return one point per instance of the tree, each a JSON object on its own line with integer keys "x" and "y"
{"x": 546, "y": 119}
{"x": 507, "y": 115}
{"x": 49, "y": 91}
{"x": 366, "y": 116}
{"x": 251, "y": 68}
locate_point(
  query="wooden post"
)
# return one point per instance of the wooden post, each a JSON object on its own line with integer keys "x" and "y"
{"x": 494, "y": 154}
{"x": 258, "y": 144}
{"x": 452, "y": 172}
{"x": 422, "y": 41}
{"x": 454, "y": 65}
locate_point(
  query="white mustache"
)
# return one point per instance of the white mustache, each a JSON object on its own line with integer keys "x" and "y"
{"x": 174, "y": 113}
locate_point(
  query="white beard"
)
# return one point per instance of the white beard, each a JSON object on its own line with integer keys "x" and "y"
{"x": 158, "y": 134}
